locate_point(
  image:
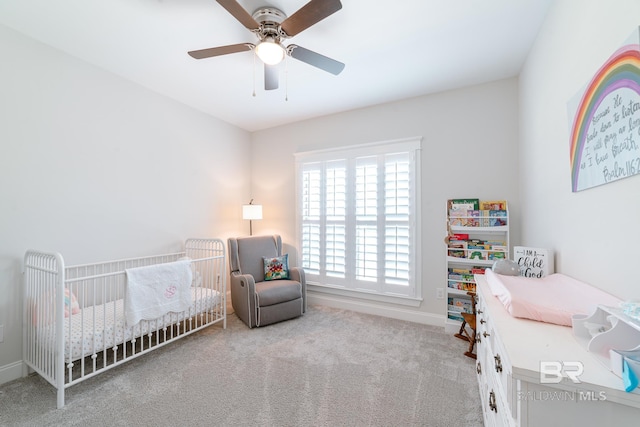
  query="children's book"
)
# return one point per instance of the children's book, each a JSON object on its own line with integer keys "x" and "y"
{"x": 497, "y": 218}
{"x": 464, "y": 204}
{"x": 484, "y": 218}
{"x": 493, "y": 205}
{"x": 458, "y": 236}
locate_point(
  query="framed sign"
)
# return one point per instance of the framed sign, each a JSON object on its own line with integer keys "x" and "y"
{"x": 605, "y": 121}
{"x": 533, "y": 262}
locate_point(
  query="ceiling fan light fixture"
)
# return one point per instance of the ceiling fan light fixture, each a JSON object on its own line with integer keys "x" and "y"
{"x": 270, "y": 52}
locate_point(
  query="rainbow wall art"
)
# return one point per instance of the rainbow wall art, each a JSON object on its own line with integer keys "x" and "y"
{"x": 605, "y": 121}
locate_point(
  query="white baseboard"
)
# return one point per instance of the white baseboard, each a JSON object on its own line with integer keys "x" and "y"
{"x": 379, "y": 310}
{"x": 10, "y": 372}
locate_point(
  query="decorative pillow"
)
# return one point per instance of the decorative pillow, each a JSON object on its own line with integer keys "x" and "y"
{"x": 70, "y": 303}
{"x": 276, "y": 268}
{"x": 47, "y": 309}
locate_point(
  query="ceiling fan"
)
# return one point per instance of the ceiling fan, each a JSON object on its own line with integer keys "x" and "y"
{"x": 272, "y": 26}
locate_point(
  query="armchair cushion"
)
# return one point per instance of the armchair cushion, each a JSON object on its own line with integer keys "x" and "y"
{"x": 276, "y": 268}
{"x": 275, "y": 292}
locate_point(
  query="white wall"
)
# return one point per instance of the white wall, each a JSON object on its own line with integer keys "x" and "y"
{"x": 469, "y": 150}
{"x": 98, "y": 168}
{"x": 594, "y": 232}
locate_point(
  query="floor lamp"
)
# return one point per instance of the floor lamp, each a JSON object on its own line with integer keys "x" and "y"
{"x": 251, "y": 212}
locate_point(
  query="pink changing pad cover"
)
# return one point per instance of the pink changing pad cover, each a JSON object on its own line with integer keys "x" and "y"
{"x": 552, "y": 299}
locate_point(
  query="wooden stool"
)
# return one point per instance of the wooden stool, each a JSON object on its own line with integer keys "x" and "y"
{"x": 469, "y": 320}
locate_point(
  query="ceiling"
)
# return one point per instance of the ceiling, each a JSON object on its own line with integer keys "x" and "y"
{"x": 392, "y": 50}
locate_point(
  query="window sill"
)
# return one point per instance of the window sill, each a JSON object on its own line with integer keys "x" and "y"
{"x": 364, "y": 295}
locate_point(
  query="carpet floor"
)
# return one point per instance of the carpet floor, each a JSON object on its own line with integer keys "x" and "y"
{"x": 330, "y": 367}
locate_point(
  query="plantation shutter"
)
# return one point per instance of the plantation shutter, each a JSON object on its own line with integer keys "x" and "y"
{"x": 366, "y": 195}
{"x": 310, "y": 207}
{"x": 336, "y": 215}
{"x": 356, "y": 209}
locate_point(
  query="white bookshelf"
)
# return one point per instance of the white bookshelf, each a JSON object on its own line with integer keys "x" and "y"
{"x": 478, "y": 229}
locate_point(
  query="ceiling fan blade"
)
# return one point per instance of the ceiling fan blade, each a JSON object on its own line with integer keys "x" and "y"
{"x": 238, "y": 12}
{"x": 270, "y": 77}
{"x": 312, "y": 58}
{"x": 309, "y": 14}
{"x": 222, "y": 50}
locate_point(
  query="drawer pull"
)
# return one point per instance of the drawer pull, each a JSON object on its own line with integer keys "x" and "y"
{"x": 480, "y": 312}
{"x": 485, "y": 334}
{"x": 482, "y": 321}
{"x": 478, "y": 368}
{"x": 492, "y": 402}
{"x": 478, "y": 340}
{"x": 498, "y": 363}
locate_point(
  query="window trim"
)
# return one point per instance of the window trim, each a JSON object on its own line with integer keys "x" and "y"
{"x": 364, "y": 295}
{"x": 411, "y": 145}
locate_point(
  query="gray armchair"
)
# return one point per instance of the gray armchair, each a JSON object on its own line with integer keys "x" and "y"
{"x": 255, "y": 301}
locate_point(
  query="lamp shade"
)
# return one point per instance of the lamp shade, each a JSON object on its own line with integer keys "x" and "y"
{"x": 251, "y": 211}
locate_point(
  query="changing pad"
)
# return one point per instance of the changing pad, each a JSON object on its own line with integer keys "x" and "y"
{"x": 551, "y": 299}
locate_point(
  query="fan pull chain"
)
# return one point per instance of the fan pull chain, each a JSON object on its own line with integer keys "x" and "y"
{"x": 286, "y": 78}
{"x": 254, "y": 73}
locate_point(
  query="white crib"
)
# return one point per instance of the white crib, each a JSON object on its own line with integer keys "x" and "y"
{"x": 67, "y": 343}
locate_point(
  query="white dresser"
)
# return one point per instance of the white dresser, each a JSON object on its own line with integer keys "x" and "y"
{"x": 510, "y": 352}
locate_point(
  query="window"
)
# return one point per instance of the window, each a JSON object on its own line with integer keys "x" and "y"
{"x": 358, "y": 218}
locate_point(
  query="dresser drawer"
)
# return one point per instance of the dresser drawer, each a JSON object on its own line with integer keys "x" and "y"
{"x": 494, "y": 405}
{"x": 496, "y": 370}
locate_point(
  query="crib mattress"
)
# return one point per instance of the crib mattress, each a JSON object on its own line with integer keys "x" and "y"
{"x": 103, "y": 326}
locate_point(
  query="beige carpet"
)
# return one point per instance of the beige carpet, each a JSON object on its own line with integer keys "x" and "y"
{"x": 328, "y": 368}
